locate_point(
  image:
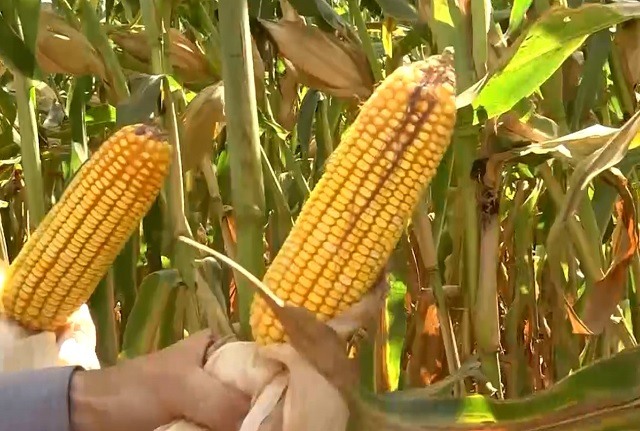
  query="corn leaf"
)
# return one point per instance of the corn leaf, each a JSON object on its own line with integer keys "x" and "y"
{"x": 547, "y": 44}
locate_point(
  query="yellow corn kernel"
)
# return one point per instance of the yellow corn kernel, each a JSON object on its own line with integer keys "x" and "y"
{"x": 63, "y": 261}
{"x": 370, "y": 187}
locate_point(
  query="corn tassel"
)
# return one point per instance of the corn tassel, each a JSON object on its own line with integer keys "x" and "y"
{"x": 61, "y": 264}
{"x": 356, "y": 214}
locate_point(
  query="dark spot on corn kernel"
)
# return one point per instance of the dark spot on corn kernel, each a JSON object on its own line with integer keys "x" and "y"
{"x": 142, "y": 129}
{"x": 153, "y": 131}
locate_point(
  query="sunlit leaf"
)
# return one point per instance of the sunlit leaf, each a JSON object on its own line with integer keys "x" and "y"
{"x": 547, "y": 43}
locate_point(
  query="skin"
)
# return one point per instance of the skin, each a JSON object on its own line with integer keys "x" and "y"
{"x": 151, "y": 391}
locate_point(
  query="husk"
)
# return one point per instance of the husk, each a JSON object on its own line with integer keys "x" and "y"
{"x": 338, "y": 67}
{"x": 268, "y": 373}
{"x": 201, "y": 122}
{"x": 21, "y": 349}
{"x": 60, "y": 48}
{"x": 288, "y": 392}
{"x": 186, "y": 58}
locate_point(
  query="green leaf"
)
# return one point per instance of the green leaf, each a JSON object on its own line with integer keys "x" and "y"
{"x": 102, "y": 307}
{"x": 264, "y": 9}
{"x": 29, "y": 12}
{"x": 80, "y": 95}
{"x": 100, "y": 116}
{"x": 399, "y": 9}
{"x": 397, "y": 318}
{"x": 547, "y": 44}
{"x": 305, "y": 122}
{"x": 598, "y": 48}
{"x": 319, "y": 9}
{"x": 125, "y": 274}
{"x": 602, "y": 396}
{"x": 518, "y": 10}
{"x": 14, "y": 52}
{"x": 146, "y": 314}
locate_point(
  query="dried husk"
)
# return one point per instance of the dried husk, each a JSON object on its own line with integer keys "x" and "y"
{"x": 267, "y": 374}
{"x": 186, "y": 58}
{"x": 202, "y": 120}
{"x": 21, "y": 349}
{"x": 324, "y": 61}
{"x": 63, "y": 49}
{"x": 288, "y": 393}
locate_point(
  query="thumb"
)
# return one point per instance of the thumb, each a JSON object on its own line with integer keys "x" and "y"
{"x": 209, "y": 402}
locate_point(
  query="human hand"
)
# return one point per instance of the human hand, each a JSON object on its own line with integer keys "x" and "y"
{"x": 147, "y": 392}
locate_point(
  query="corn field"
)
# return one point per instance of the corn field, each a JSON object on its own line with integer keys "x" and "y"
{"x": 514, "y": 290}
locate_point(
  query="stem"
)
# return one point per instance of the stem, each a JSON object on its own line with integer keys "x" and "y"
{"x": 30, "y": 149}
{"x": 247, "y": 186}
{"x": 424, "y": 235}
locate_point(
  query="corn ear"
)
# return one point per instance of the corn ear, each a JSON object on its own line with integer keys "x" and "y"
{"x": 60, "y": 265}
{"x": 356, "y": 214}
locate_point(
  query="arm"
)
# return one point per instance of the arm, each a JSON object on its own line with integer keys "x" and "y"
{"x": 153, "y": 390}
{"x": 36, "y": 399}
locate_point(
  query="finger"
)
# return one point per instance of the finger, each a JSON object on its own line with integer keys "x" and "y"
{"x": 210, "y": 403}
{"x": 193, "y": 348}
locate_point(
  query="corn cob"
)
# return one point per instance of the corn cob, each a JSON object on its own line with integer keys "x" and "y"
{"x": 61, "y": 264}
{"x": 355, "y": 215}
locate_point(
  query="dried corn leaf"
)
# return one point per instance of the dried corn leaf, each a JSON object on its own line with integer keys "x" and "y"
{"x": 63, "y": 49}
{"x": 258, "y": 65}
{"x": 510, "y": 126}
{"x": 571, "y": 73}
{"x": 571, "y": 148}
{"x": 289, "y": 13}
{"x": 324, "y": 61}
{"x": 201, "y": 122}
{"x": 187, "y": 60}
{"x": 627, "y": 41}
{"x": 289, "y": 97}
{"x": 606, "y": 293}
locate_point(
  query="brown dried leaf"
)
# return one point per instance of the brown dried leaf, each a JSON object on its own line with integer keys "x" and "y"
{"x": 577, "y": 325}
{"x": 627, "y": 41}
{"x": 606, "y": 293}
{"x": 424, "y": 11}
{"x": 289, "y": 13}
{"x": 572, "y": 148}
{"x": 571, "y": 73}
{"x": 319, "y": 344}
{"x": 63, "y": 49}
{"x": 258, "y": 65}
{"x": 202, "y": 120}
{"x": 427, "y": 363}
{"x": 324, "y": 61}
{"x": 511, "y": 126}
{"x": 289, "y": 96}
